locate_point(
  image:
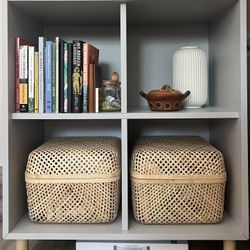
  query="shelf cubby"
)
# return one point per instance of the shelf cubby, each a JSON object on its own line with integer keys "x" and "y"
{"x": 152, "y": 43}
{"x": 69, "y": 21}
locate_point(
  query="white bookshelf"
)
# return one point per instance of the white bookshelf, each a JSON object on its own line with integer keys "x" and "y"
{"x": 137, "y": 39}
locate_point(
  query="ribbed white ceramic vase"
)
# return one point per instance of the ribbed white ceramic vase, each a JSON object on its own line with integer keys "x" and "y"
{"x": 190, "y": 72}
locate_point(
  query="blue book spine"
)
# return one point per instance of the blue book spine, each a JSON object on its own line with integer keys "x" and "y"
{"x": 65, "y": 93}
{"x": 48, "y": 77}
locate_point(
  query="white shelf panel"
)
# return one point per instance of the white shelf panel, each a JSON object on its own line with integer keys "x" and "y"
{"x": 135, "y": 113}
{"x": 25, "y": 229}
{"x": 65, "y": 116}
{"x": 195, "y": 113}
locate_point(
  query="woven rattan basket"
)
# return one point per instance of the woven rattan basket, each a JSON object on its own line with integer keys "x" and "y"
{"x": 74, "y": 180}
{"x": 177, "y": 180}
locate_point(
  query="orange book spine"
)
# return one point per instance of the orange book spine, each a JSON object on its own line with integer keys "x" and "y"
{"x": 91, "y": 88}
{"x": 90, "y": 56}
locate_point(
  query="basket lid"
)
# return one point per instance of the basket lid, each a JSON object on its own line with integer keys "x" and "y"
{"x": 75, "y": 159}
{"x": 176, "y": 157}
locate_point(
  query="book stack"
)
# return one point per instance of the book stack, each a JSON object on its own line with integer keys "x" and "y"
{"x": 60, "y": 77}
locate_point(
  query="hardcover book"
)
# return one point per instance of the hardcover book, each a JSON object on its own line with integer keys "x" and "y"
{"x": 57, "y": 73}
{"x": 31, "y": 80}
{"x": 91, "y": 99}
{"x": 90, "y": 56}
{"x": 48, "y": 77}
{"x": 41, "y": 50}
{"x": 77, "y": 75}
{"x": 61, "y": 76}
{"x": 54, "y": 97}
{"x": 36, "y": 82}
{"x": 19, "y": 42}
{"x": 69, "y": 76}
{"x": 65, "y": 75}
{"x": 23, "y": 74}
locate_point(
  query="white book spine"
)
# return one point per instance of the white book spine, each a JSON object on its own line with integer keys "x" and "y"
{"x": 41, "y": 45}
{"x": 57, "y": 74}
{"x": 31, "y": 71}
{"x": 23, "y": 62}
{"x": 97, "y": 100}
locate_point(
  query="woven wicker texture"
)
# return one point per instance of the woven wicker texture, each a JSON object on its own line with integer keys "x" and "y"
{"x": 177, "y": 180}
{"x": 176, "y": 155}
{"x": 73, "y": 203}
{"x": 74, "y": 180}
{"x": 76, "y": 155}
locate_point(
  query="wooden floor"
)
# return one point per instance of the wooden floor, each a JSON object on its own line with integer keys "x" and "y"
{"x": 70, "y": 245}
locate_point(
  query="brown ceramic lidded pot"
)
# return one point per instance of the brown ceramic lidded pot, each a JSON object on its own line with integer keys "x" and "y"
{"x": 165, "y": 99}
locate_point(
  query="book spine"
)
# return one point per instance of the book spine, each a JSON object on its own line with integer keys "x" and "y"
{"x": 65, "y": 93}
{"x": 19, "y": 42}
{"x": 97, "y": 100}
{"x": 69, "y": 76}
{"x": 91, "y": 97}
{"x": 53, "y": 78}
{"x": 17, "y": 74}
{"x": 31, "y": 82}
{"x": 91, "y": 56}
{"x": 41, "y": 48}
{"x": 57, "y": 45}
{"x": 36, "y": 83}
{"x": 23, "y": 71}
{"x": 77, "y": 99}
{"x": 85, "y": 77}
{"x": 61, "y": 76}
{"x": 48, "y": 77}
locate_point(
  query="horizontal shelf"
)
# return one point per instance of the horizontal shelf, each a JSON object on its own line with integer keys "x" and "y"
{"x": 25, "y": 229}
{"x": 135, "y": 113}
{"x": 65, "y": 116}
{"x": 192, "y": 113}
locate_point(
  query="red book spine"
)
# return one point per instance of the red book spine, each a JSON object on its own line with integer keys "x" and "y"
{"x": 85, "y": 78}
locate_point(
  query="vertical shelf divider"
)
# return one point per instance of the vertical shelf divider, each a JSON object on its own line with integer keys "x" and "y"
{"x": 124, "y": 122}
{"x": 244, "y": 112}
{"x": 123, "y": 40}
{"x": 5, "y": 116}
{"x": 124, "y": 186}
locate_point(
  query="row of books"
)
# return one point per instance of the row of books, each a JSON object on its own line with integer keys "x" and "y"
{"x": 59, "y": 77}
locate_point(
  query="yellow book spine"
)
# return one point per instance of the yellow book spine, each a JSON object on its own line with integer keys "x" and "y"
{"x": 24, "y": 93}
{"x": 36, "y": 83}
